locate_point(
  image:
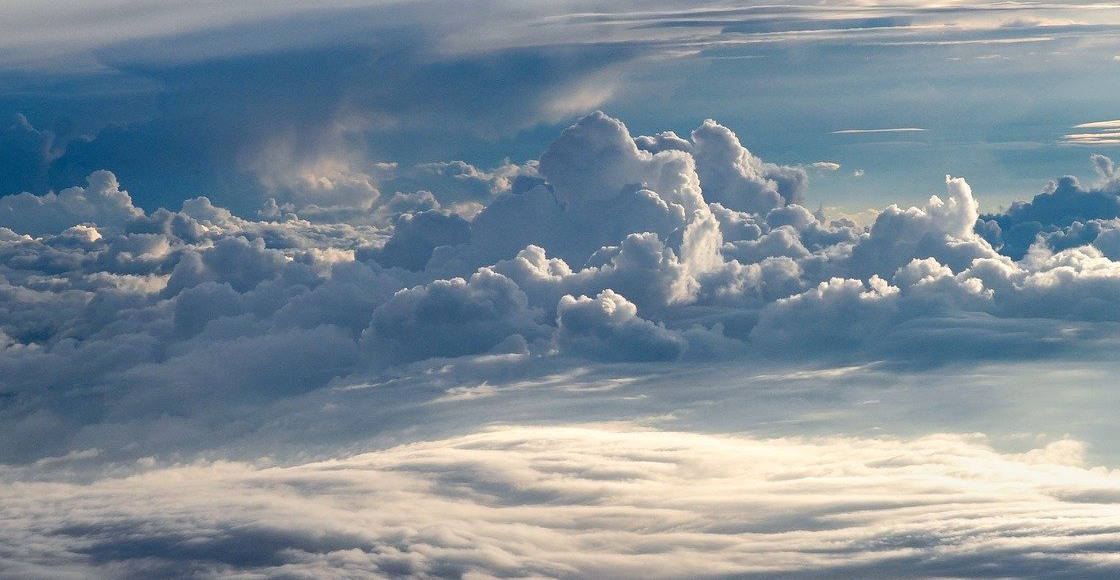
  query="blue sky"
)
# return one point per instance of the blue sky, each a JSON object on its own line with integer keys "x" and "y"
{"x": 520, "y": 289}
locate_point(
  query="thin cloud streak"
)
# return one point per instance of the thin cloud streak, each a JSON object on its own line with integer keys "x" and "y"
{"x": 890, "y": 130}
{"x": 1107, "y": 133}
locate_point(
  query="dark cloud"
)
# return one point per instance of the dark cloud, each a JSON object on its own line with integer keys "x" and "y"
{"x": 451, "y": 318}
{"x": 417, "y": 235}
{"x": 1066, "y": 214}
{"x": 242, "y": 127}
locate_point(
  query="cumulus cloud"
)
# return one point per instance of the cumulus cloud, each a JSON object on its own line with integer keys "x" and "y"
{"x": 451, "y": 318}
{"x": 665, "y": 224}
{"x": 608, "y": 326}
{"x": 611, "y": 248}
{"x": 417, "y": 235}
{"x": 738, "y": 180}
{"x": 101, "y": 203}
{"x": 1065, "y": 214}
{"x": 943, "y": 229}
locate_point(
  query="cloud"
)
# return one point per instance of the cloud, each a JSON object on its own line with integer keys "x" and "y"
{"x": 344, "y": 297}
{"x": 608, "y": 249}
{"x": 762, "y": 26}
{"x": 1065, "y": 213}
{"x": 451, "y": 318}
{"x": 305, "y": 125}
{"x": 252, "y": 102}
{"x": 1102, "y": 133}
{"x": 738, "y": 180}
{"x": 943, "y": 229}
{"x": 608, "y": 326}
{"x": 28, "y": 153}
{"x": 890, "y": 130}
{"x": 417, "y": 235}
{"x": 102, "y": 203}
{"x": 586, "y": 500}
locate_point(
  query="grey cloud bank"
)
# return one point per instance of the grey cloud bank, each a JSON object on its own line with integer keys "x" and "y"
{"x": 411, "y": 308}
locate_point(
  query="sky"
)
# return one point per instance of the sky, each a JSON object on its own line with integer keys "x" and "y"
{"x": 528, "y": 289}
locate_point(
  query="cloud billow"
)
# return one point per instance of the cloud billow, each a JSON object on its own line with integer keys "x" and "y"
{"x": 360, "y": 289}
{"x": 610, "y": 248}
{"x": 1065, "y": 215}
{"x": 139, "y": 350}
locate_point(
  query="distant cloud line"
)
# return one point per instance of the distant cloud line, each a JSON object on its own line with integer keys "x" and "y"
{"x": 888, "y": 130}
{"x": 1104, "y": 133}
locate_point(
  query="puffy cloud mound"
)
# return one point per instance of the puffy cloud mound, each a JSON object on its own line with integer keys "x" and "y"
{"x": 943, "y": 229}
{"x": 612, "y": 247}
{"x": 102, "y": 203}
{"x": 417, "y": 235}
{"x": 834, "y": 316}
{"x": 1066, "y": 214}
{"x": 450, "y": 318}
{"x": 596, "y": 158}
{"x": 689, "y": 231}
{"x": 733, "y": 177}
{"x": 608, "y": 327}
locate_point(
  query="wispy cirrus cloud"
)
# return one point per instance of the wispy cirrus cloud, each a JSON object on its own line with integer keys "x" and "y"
{"x": 1094, "y": 133}
{"x": 883, "y": 130}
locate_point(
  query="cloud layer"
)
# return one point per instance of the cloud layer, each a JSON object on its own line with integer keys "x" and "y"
{"x": 586, "y": 501}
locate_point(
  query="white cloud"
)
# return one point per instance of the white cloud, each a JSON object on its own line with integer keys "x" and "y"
{"x": 1115, "y": 124}
{"x": 177, "y": 308}
{"x": 735, "y": 178}
{"x": 1099, "y": 133}
{"x": 102, "y": 203}
{"x": 586, "y": 501}
{"x": 608, "y": 326}
{"x": 888, "y": 130}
